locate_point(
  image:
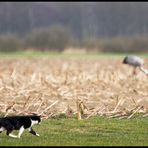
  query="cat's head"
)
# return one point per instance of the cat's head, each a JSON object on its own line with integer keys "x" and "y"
{"x": 36, "y": 119}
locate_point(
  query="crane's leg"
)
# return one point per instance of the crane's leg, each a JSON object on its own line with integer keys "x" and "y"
{"x": 135, "y": 71}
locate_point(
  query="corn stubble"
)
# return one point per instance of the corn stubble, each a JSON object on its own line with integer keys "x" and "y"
{"x": 85, "y": 88}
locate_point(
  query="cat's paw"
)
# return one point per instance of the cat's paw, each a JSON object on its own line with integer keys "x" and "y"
{"x": 37, "y": 135}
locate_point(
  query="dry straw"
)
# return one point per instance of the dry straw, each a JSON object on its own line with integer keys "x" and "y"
{"x": 85, "y": 87}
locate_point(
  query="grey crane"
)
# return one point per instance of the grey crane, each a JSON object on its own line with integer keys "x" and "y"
{"x": 136, "y": 62}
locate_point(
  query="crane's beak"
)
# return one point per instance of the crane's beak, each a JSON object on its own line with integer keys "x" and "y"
{"x": 144, "y": 70}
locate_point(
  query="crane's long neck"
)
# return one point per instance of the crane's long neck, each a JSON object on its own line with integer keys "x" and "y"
{"x": 144, "y": 70}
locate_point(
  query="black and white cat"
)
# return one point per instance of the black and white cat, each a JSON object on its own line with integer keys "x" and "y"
{"x": 20, "y": 123}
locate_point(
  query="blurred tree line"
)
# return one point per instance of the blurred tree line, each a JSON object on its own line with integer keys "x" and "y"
{"x": 114, "y": 26}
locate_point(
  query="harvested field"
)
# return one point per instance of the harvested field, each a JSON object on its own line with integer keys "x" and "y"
{"x": 51, "y": 86}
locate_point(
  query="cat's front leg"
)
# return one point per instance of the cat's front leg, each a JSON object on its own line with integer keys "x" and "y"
{"x": 33, "y": 132}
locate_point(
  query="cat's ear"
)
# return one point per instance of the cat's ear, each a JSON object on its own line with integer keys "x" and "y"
{"x": 35, "y": 114}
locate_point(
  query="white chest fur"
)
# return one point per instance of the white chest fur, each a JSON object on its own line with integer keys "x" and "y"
{"x": 33, "y": 122}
